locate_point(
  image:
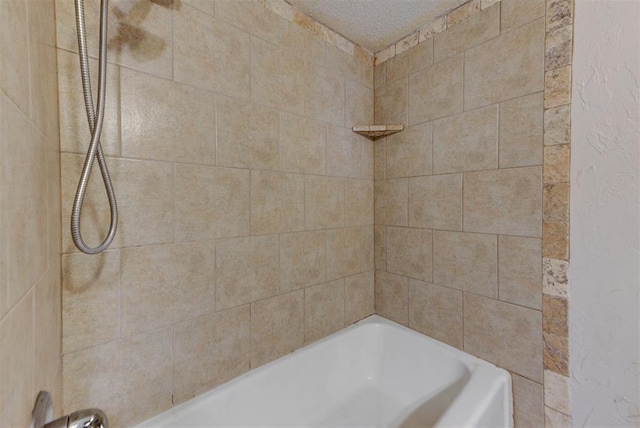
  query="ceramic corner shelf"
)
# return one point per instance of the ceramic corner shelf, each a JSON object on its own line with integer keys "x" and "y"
{"x": 377, "y": 131}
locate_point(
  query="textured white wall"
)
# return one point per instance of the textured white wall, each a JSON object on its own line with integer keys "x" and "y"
{"x": 605, "y": 214}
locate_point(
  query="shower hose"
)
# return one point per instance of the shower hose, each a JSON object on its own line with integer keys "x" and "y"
{"x": 95, "y": 126}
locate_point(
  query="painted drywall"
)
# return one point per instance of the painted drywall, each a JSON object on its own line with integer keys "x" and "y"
{"x": 605, "y": 220}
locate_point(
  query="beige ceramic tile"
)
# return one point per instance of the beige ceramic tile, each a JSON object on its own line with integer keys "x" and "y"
{"x": 558, "y": 47}
{"x": 556, "y": 354}
{"x": 559, "y": 14}
{"x": 409, "y": 252}
{"x": 358, "y": 199}
{"x": 390, "y": 103}
{"x": 391, "y": 295}
{"x": 358, "y": 297}
{"x": 409, "y": 151}
{"x": 343, "y": 248}
{"x": 210, "y": 202}
{"x": 323, "y": 202}
{"x": 277, "y": 202}
{"x": 144, "y": 197}
{"x": 5, "y": 104}
{"x": 528, "y": 402}
{"x": 507, "y": 201}
{"x": 385, "y": 54}
{"x": 519, "y": 12}
{"x": 493, "y": 70}
{"x": 277, "y": 77}
{"x": 302, "y": 145}
{"x": 131, "y": 378}
{"x": 209, "y": 351}
{"x": 359, "y": 104}
{"x": 521, "y": 131}
{"x": 391, "y": 202}
{"x": 479, "y": 28}
{"x": 251, "y": 17}
{"x": 323, "y": 310}
{"x": 398, "y": 67}
{"x": 301, "y": 43}
{"x": 24, "y": 177}
{"x": 344, "y": 152}
{"x": 87, "y": 280}
{"x": 54, "y": 227}
{"x": 466, "y": 142}
{"x": 368, "y": 162}
{"x": 557, "y": 392}
{"x": 210, "y": 54}
{"x": 487, "y": 3}
{"x": 207, "y": 6}
{"x": 555, "y": 240}
{"x": 555, "y": 277}
{"x": 504, "y": 334}
{"x": 557, "y": 125}
{"x": 557, "y": 163}
{"x": 380, "y": 159}
{"x": 555, "y": 419}
{"x": 436, "y": 91}
{"x": 557, "y": 87}
{"x": 277, "y": 327}
{"x": 555, "y": 318}
{"x": 74, "y": 130}
{"x": 325, "y": 96}
{"x": 342, "y": 63}
{"x": 380, "y": 247}
{"x": 247, "y": 135}
{"x": 432, "y": 28}
{"x": 367, "y": 244}
{"x": 420, "y": 57}
{"x": 47, "y": 310}
{"x": 379, "y": 75}
{"x": 247, "y": 269}
{"x": 520, "y": 271}
{"x": 16, "y": 363}
{"x": 556, "y": 202}
{"x": 466, "y": 261}
{"x": 436, "y": 311}
{"x": 407, "y": 43}
{"x": 166, "y": 284}
{"x": 302, "y": 259}
{"x": 14, "y": 46}
{"x": 435, "y": 202}
{"x": 463, "y": 13}
{"x": 164, "y": 120}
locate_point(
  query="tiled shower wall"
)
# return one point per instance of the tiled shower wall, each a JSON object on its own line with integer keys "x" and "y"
{"x": 459, "y": 236}
{"x": 30, "y": 321}
{"x": 246, "y": 225}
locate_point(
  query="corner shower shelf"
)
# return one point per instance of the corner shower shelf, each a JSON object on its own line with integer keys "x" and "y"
{"x": 377, "y": 131}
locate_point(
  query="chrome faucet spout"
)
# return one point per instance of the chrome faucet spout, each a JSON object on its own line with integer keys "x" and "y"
{"x": 42, "y": 415}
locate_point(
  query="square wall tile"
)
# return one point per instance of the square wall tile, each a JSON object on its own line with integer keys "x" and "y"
{"x": 493, "y": 70}
{"x": 303, "y": 146}
{"x": 435, "y": 202}
{"x": 409, "y": 151}
{"x": 344, "y": 152}
{"x": 302, "y": 259}
{"x": 521, "y": 131}
{"x": 323, "y": 202}
{"x": 209, "y": 351}
{"x": 359, "y": 104}
{"x": 247, "y": 269}
{"x": 436, "y": 311}
{"x": 325, "y": 96}
{"x": 47, "y": 310}
{"x": 277, "y": 202}
{"x": 518, "y": 12}
{"x": 409, "y": 252}
{"x": 504, "y": 334}
{"x": 528, "y": 402}
{"x": 210, "y": 54}
{"x": 323, "y": 310}
{"x": 367, "y": 239}
{"x": 380, "y": 247}
{"x": 251, "y": 17}
{"x": 391, "y": 201}
{"x": 466, "y": 261}
{"x": 466, "y": 142}
{"x": 343, "y": 248}
{"x": 14, "y": 62}
{"x": 506, "y": 201}
{"x": 358, "y": 201}
{"x": 210, "y": 202}
{"x": 520, "y": 271}
{"x": 391, "y": 296}
{"x": 436, "y": 92}
{"x": 390, "y": 103}
{"x": 359, "y": 301}
{"x": 248, "y": 135}
{"x": 277, "y": 327}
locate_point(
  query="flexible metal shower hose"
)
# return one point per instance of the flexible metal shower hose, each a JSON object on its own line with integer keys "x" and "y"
{"x": 95, "y": 126}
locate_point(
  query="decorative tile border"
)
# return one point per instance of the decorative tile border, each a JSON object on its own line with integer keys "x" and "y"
{"x": 555, "y": 239}
{"x": 433, "y": 27}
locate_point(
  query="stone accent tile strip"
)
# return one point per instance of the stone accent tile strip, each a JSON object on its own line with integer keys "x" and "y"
{"x": 556, "y": 354}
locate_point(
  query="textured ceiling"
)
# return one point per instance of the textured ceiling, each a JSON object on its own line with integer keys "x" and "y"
{"x": 375, "y": 24}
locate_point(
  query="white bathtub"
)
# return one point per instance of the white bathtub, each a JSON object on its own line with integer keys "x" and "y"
{"x": 374, "y": 373}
